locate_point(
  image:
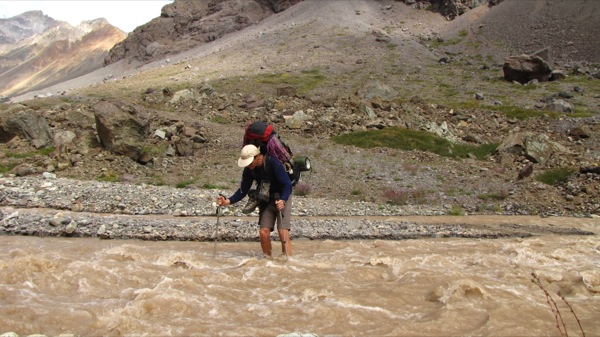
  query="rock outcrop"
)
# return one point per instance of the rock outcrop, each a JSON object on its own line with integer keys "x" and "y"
{"x": 186, "y": 24}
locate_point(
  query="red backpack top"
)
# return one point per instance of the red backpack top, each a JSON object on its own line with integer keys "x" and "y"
{"x": 263, "y": 136}
{"x": 258, "y": 133}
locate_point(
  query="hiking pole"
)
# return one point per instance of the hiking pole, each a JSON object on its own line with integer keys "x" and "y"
{"x": 282, "y": 230}
{"x": 217, "y": 227}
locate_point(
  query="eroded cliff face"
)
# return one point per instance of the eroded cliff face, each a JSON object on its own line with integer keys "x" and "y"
{"x": 186, "y": 24}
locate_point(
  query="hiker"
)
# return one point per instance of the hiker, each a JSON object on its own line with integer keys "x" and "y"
{"x": 274, "y": 194}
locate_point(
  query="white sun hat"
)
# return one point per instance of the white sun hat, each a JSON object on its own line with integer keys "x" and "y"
{"x": 247, "y": 155}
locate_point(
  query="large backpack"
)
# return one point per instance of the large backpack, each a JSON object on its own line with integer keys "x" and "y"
{"x": 264, "y": 136}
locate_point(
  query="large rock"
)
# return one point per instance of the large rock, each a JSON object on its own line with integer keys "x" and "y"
{"x": 28, "y": 124}
{"x": 122, "y": 129}
{"x": 525, "y": 68}
{"x": 375, "y": 88}
{"x": 537, "y": 148}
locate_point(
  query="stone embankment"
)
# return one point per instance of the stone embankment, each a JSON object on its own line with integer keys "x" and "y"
{"x": 46, "y": 206}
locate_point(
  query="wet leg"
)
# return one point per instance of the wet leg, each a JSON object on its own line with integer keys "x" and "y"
{"x": 286, "y": 241}
{"x": 265, "y": 241}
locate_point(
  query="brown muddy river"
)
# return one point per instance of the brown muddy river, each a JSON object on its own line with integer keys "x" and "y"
{"x": 431, "y": 287}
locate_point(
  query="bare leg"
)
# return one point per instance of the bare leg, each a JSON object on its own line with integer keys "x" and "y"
{"x": 286, "y": 241}
{"x": 265, "y": 241}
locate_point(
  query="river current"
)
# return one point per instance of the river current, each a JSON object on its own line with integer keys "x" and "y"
{"x": 432, "y": 287}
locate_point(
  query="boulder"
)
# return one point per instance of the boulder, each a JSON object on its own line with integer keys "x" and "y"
{"x": 559, "y": 105}
{"x": 119, "y": 130}
{"x": 375, "y": 88}
{"x": 537, "y": 148}
{"x": 29, "y": 124}
{"x": 525, "y": 68}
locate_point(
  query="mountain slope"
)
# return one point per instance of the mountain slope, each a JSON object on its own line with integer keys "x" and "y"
{"x": 20, "y": 27}
{"x": 51, "y": 52}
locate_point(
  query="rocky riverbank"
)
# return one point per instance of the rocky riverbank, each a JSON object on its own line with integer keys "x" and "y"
{"x": 47, "y": 206}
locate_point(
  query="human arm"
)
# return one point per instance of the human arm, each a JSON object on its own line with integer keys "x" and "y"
{"x": 242, "y": 191}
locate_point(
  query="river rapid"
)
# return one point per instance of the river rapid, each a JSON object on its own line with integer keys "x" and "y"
{"x": 422, "y": 287}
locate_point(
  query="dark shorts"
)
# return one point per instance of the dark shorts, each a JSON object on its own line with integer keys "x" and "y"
{"x": 268, "y": 216}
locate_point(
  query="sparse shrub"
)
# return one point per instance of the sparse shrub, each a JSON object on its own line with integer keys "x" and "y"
{"x": 500, "y": 195}
{"x": 156, "y": 181}
{"x": 153, "y": 150}
{"x": 306, "y": 81}
{"x": 495, "y": 208}
{"x": 110, "y": 177}
{"x": 44, "y": 151}
{"x": 302, "y": 189}
{"x": 4, "y": 168}
{"x": 522, "y": 113}
{"x": 220, "y": 120}
{"x": 555, "y": 176}
{"x": 184, "y": 184}
{"x": 456, "y": 210}
{"x": 397, "y": 197}
{"x": 210, "y": 186}
{"x": 560, "y": 323}
{"x": 411, "y": 168}
{"x": 356, "y": 191}
{"x": 408, "y": 140}
{"x": 451, "y": 192}
{"x": 419, "y": 196}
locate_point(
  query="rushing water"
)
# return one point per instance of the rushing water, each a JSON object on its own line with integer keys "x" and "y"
{"x": 434, "y": 287}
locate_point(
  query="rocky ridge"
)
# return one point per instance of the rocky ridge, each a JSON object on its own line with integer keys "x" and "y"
{"x": 185, "y": 24}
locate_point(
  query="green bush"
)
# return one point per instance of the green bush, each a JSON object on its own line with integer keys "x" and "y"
{"x": 304, "y": 82}
{"x": 501, "y": 195}
{"x": 408, "y": 140}
{"x": 184, "y": 184}
{"x": 110, "y": 177}
{"x": 211, "y": 186}
{"x": 5, "y": 168}
{"x": 456, "y": 210}
{"x": 522, "y": 113}
{"x": 555, "y": 176}
{"x": 220, "y": 120}
{"x": 44, "y": 152}
{"x": 356, "y": 191}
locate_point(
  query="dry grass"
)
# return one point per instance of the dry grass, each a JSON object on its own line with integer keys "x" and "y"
{"x": 560, "y": 323}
